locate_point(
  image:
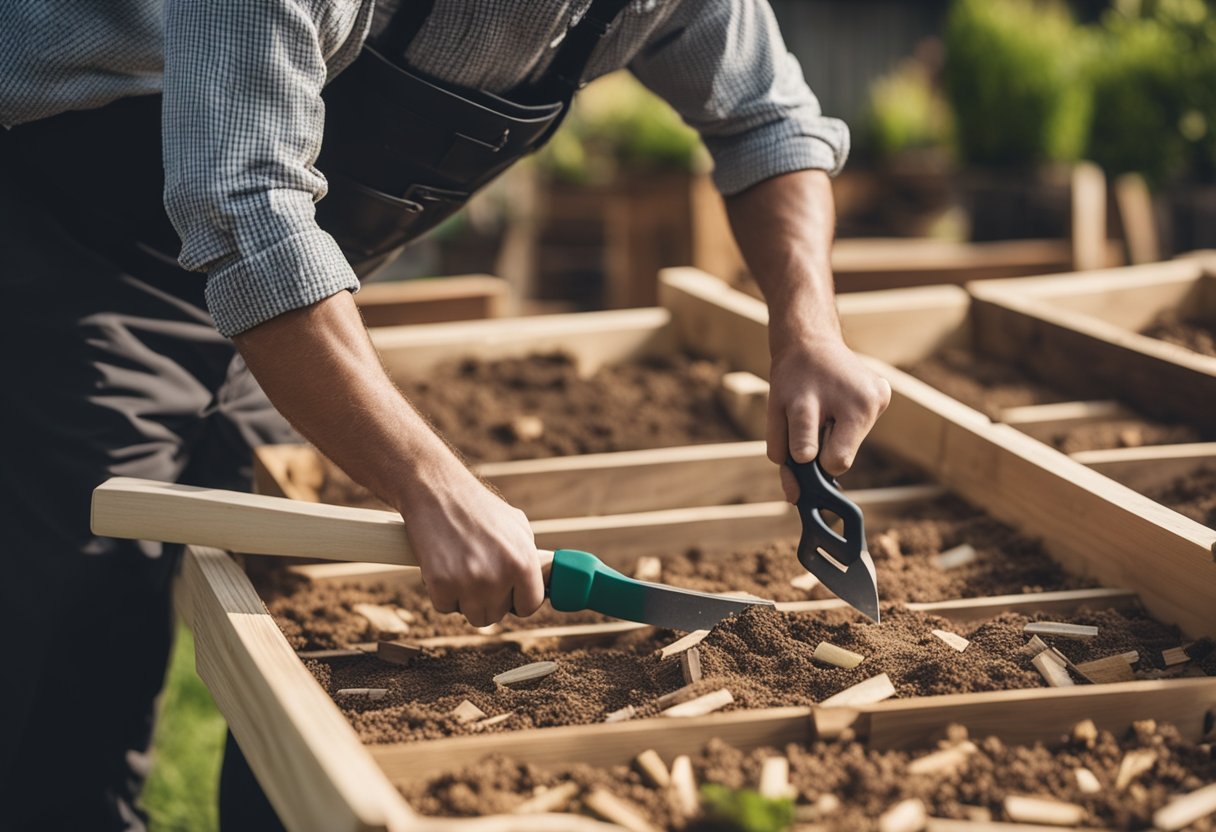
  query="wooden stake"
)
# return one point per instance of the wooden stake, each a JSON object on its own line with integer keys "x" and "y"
{"x": 1107, "y": 670}
{"x": 953, "y": 639}
{"x": 684, "y": 786}
{"x": 1043, "y": 810}
{"x": 954, "y": 558}
{"x": 396, "y": 652}
{"x": 906, "y": 816}
{"x": 1133, "y": 764}
{"x": 615, "y": 810}
{"x": 1034, "y": 647}
{"x": 467, "y": 712}
{"x": 653, "y": 769}
{"x": 1087, "y": 781}
{"x": 526, "y": 673}
{"x": 676, "y": 696}
{"x": 681, "y": 644}
{"x": 831, "y": 654}
{"x": 553, "y": 799}
{"x": 775, "y": 779}
{"x": 322, "y": 655}
{"x": 1185, "y": 810}
{"x": 367, "y": 693}
{"x": 621, "y": 714}
{"x": 806, "y": 582}
{"x": 690, "y": 665}
{"x": 947, "y": 760}
{"x": 1174, "y": 655}
{"x": 491, "y": 721}
{"x": 702, "y": 705}
{"x": 1060, "y": 629}
{"x": 1055, "y": 673}
{"x": 874, "y": 689}
{"x": 648, "y": 569}
{"x": 383, "y": 619}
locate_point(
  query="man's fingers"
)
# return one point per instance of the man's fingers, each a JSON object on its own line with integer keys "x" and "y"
{"x": 789, "y": 484}
{"x": 776, "y": 434}
{"x": 529, "y": 591}
{"x": 841, "y": 444}
{"x": 803, "y": 420}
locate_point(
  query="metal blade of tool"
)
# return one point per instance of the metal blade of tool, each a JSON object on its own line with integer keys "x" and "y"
{"x": 581, "y": 581}
{"x": 840, "y": 562}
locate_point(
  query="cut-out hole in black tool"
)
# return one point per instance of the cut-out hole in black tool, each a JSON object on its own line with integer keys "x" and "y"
{"x": 831, "y": 559}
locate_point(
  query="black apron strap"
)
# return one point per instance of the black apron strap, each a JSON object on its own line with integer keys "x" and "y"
{"x": 564, "y": 76}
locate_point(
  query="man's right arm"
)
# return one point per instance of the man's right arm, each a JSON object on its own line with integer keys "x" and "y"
{"x": 243, "y": 119}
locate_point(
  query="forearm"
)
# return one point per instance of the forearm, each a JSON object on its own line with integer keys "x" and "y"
{"x": 319, "y": 368}
{"x": 784, "y": 227}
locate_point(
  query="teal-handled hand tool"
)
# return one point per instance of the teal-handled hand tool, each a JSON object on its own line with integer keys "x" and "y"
{"x": 581, "y": 581}
{"x": 840, "y": 562}
{"x": 260, "y": 525}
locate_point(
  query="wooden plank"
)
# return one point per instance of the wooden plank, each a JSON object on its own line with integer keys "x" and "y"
{"x": 316, "y": 773}
{"x": 744, "y": 397}
{"x": 1136, "y": 216}
{"x": 711, "y": 318}
{"x": 431, "y": 300}
{"x": 1091, "y": 524}
{"x": 593, "y": 339}
{"x": 1152, "y": 466}
{"x": 1088, "y": 217}
{"x": 877, "y": 323}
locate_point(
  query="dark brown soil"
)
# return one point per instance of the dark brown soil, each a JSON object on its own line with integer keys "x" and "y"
{"x": 867, "y": 783}
{"x": 656, "y": 403}
{"x": 1191, "y": 333}
{"x": 762, "y": 656}
{"x": 1193, "y": 496}
{"x": 318, "y": 616}
{"x": 992, "y": 386}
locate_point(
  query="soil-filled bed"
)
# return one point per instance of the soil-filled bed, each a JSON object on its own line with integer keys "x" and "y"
{"x": 317, "y": 616}
{"x": 992, "y": 386}
{"x": 1191, "y": 333}
{"x": 762, "y": 656}
{"x": 1193, "y": 495}
{"x": 845, "y": 786}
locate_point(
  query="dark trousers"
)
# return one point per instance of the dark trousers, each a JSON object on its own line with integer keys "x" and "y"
{"x": 108, "y": 366}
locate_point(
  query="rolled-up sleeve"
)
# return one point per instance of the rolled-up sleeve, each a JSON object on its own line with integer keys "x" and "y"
{"x": 723, "y": 65}
{"x": 243, "y": 122}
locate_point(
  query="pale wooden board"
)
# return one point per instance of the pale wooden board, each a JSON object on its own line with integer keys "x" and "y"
{"x": 308, "y": 759}
{"x": 431, "y": 300}
{"x": 906, "y": 325}
{"x": 593, "y": 339}
{"x": 710, "y": 317}
{"x": 1151, "y": 466}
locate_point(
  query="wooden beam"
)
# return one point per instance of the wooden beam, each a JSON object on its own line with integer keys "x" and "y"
{"x": 431, "y": 300}
{"x": 711, "y": 318}
{"x": 1136, "y": 215}
{"x": 744, "y": 397}
{"x": 1088, "y": 217}
{"x": 903, "y": 326}
{"x": 1151, "y": 466}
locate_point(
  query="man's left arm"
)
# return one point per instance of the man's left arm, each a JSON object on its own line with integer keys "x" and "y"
{"x": 724, "y": 67}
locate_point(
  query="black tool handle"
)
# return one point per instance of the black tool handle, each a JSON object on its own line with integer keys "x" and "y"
{"x": 818, "y": 491}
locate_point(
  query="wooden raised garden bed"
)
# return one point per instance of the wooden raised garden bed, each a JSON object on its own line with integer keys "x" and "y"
{"x": 319, "y": 775}
{"x": 432, "y": 300}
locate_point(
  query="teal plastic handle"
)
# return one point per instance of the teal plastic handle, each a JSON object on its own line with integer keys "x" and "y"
{"x": 580, "y": 580}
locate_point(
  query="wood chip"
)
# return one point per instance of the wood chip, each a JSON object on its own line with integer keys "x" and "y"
{"x": 676, "y": 696}
{"x": 954, "y": 558}
{"x": 1087, "y": 781}
{"x": 1085, "y": 732}
{"x": 467, "y": 712}
{"x": 367, "y": 693}
{"x": 527, "y": 428}
{"x": 944, "y": 761}
{"x": 1034, "y": 647}
{"x": 684, "y": 786}
{"x": 906, "y": 816}
{"x": 383, "y": 619}
{"x": 690, "y": 665}
{"x": 1131, "y": 656}
{"x": 1107, "y": 670}
{"x": 681, "y": 644}
{"x": 322, "y": 655}
{"x": 648, "y": 569}
{"x": 490, "y": 629}
{"x": 806, "y": 582}
{"x": 613, "y": 809}
{"x": 526, "y": 673}
{"x": 775, "y": 779}
{"x": 553, "y": 799}
{"x": 953, "y": 639}
{"x": 1133, "y": 764}
{"x": 653, "y": 769}
{"x": 494, "y": 720}
{"x": 1174, "y": 655}
{"x": 707, "y": 704}
{"x": 1043, "y": 810}
{"x": 1185, "y": 810}
{"x": 1052, "y": 670}
{"x": 621, "y": 714}
{"x": 831, "y": 654}
{"x": 1060, "y": 629}
{"x": 886, "y": 545}
{"x": 396, "y": 652}
{"x": 875, "y": 689}
{"x": 404, "y": 615}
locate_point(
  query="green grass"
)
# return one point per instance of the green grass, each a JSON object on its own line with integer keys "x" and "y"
{"x": 181, "y": 792}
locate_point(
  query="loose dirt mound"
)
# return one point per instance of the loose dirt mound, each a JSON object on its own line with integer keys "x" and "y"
{"x": 1193, "y": 496}
{"x": 1193, "y": 334}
